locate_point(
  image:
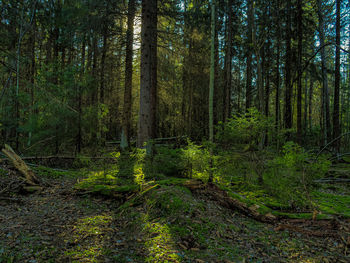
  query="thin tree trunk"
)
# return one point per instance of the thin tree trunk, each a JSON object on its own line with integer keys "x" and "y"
{"x": 212, "y": 71}
{"x": 305, "y": 103}
{"x": 310, "y": 103}
{"x": 128, "y": 75}
{"x": 277, "y": 83}
{"x": 325, "y": 93}
{"x": 228, "y": 63}
{"x": 300, "y": 49}
{"x": 288, "y": 85}
{"x": 102, "y": 78}
{"x": 32, "y": 79}
{"x": 79, "y": 98}
{"x": 336, "y": 125}
{"x": 250, "y": 4}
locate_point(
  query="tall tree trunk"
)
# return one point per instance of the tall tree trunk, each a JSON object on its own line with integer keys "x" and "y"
{"x": 288, "y": 84}
{"x": 277, "y": 79}
{"x": 79, "y": 98}
{"x": 102, "y": 78}
{"x": 212, "y": 79}
{"x": 300, "y": 55}
{"x": 56, "y": 35}
{"x": 311, "y": 89}
{"x": 305, "y": 104}
{"x": 325, "y": 91}
{"x": 128, "y": 76}
{"x": 148, "y": 84}
{"x": 249, "y": 94}
{"x": 228, "y": 63}
{"x": 32, "y": 78}
{"x": 212, "y": 72}
{"x": 336, "y": 125}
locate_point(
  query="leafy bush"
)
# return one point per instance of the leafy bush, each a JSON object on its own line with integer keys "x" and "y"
{"x": 244, "y": 128}
{"x": 291, "y": 175}
{"x": 197, "y": 160}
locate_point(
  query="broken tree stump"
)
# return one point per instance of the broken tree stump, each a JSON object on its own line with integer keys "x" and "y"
{"x": 21, "y": 166}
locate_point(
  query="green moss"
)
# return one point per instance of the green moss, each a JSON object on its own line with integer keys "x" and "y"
{"x": 43, "y": 171}
{"x": 332, "y": 204}
{"x": 170, "y": 200}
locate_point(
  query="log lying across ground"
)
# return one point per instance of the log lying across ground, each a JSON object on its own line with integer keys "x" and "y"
{"x": 225, "y": 200}
{"x": 22, "y": 167}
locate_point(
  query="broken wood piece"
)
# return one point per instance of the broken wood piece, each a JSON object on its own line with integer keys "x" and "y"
{"x": 21, "y": 166}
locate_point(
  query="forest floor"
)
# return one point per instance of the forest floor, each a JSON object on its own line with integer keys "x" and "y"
{"x": 168, "y": 224}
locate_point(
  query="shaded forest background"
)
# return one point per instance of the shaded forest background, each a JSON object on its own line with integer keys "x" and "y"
{"x": 70, "y": 71}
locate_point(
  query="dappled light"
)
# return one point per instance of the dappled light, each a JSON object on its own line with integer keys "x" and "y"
{"x": 160, "y": 244}
{"x": 174, "y": 131}
{"x": 88, "y": 238}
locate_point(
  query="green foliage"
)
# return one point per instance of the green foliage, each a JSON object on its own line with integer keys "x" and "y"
{"x": 290, "y": 176}
{"x": 197, "y": 160}
{"x": 169, "y": 162}
{"x": 244, "y": 128}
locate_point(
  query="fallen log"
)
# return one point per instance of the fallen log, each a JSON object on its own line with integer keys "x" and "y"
{"x": 225, "y": 200}
{"x": 21, "y": 166}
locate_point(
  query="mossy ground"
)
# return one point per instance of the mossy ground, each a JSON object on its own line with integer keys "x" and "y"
{"x": 136, "y": 216}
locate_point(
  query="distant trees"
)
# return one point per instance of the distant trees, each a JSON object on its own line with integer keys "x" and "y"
{"x": 109, "y": 75}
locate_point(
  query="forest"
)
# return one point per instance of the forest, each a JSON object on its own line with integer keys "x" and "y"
{"x": 174, "y": 131}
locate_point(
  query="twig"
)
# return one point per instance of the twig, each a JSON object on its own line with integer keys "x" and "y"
{"x": 318, "y": 154}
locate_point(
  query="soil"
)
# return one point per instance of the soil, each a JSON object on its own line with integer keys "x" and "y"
{"x": 59, "y": 225}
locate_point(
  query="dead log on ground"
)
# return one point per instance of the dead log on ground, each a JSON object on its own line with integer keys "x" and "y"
{"x": 21, "y": 166}
{"x": 225, "y": 200}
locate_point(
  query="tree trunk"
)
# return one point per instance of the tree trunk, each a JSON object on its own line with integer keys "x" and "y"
{"x": 288, "y": 84}
{"x": 249, "y": 55}
{"x": 336, "y": 125}
{"x": 277, "y": 80}
{"x": 325, "y": 92}
{"x": 148, "y": 83}
{"x": 102, "y": 78}
{"x": 228, "y": 63}
{"x": 311, "y": 89}
{"x": 79, "y": 97}
{"x": 300, "y": 42}
{"x": 212, "y": 72}
{"x": 128, "y": 75}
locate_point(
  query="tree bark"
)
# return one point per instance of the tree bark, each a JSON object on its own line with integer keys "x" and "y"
{"x": 277, "y": 79}
{"x": 300, "y": 49}
{"x": 325, "y": 91}
{"x": 249, "y": 54}
{"x": 212, "y": 72}
{"x": 228, "y": 63}
{"x": 128, "y": 75}
{"x": 148, "y": 83}
{"x": 288, "y": 60}
{"x": 336, "y": 125}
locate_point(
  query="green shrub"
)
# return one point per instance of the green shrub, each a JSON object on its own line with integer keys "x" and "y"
{"x": 197, "y": 159}
{"x": 290, "y": 176}
{"x": 244, "y": 128}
